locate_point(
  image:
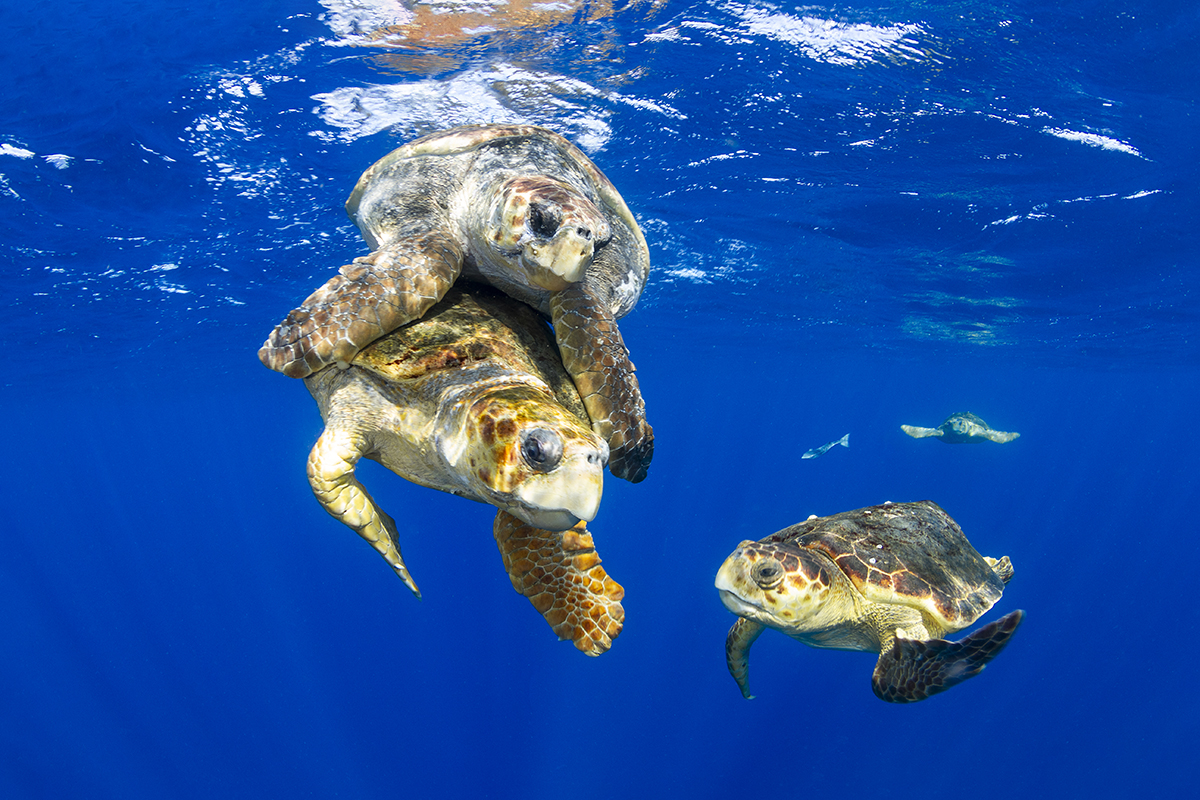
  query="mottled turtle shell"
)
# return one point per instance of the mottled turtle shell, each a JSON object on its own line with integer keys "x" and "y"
{"x": 433, "y": 163}
{"x": 910, "y": 554}
{"x": 474, "y": 326}
{"x": 964, "y": 415}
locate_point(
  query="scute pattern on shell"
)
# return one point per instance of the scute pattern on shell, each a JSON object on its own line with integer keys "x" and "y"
{"x": 468, "y": 138}
{"x": 462, "y": 329}
{"x": 908, "y": 553}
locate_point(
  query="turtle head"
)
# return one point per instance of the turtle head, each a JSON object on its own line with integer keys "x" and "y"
{"x": 961, "y": 425}
{"x": 778, "y": 585}
{"x": 545, "y": 230}
{"x": 532, "y": 458}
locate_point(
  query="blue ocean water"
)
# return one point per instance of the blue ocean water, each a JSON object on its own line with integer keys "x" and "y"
{"x": 860, "y": 215}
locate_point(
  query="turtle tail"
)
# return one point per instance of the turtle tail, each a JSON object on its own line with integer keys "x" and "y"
{"x": 912, "y": 670}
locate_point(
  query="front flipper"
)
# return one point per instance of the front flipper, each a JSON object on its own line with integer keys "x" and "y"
{"x": 920, "y": 433}
{"x": 373, "y": 296}
{"x": 331, "y": 475}
{"x": 737, "y": 651}
{"x": 999, "y": 437}
{"x": 594, "y": 354}
{"x": 912, "y": 670}
{"x": 561, "y": 575}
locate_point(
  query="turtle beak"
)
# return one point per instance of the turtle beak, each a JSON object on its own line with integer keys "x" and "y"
{"x": 557, "y": 500}
{"x": 731, "y": 581}
{"x": 736, "y": 604}
{"x": 555, "y": 264}
{"x": 560, "y": 251}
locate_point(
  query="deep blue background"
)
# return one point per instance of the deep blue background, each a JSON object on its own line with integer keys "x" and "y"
{"x": 859, "y": 215}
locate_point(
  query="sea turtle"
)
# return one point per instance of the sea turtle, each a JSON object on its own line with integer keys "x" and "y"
{"x": 515, "y": 206}
{"x": 961, "y": 427}
{"x": 473, "y": 400}
{"x": 889, "y": 579}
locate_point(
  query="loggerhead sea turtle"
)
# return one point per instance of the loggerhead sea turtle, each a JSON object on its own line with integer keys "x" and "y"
{"x": 961, "y": 427}
{"x": 890, "y": 579}
{"x": 473, "y": 400}
{"x": 515, "y": 206}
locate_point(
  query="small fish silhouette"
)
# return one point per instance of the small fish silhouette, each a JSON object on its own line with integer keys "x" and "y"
{"x": 823, "y": 449}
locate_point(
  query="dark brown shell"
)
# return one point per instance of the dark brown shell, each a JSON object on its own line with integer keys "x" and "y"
{"x": 913, "y": 554}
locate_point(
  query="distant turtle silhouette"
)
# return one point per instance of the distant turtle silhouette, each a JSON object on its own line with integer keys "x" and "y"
{"x": 961, "y": 427}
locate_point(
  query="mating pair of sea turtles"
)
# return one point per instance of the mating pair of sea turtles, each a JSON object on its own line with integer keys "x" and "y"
{"x": 514, "y": 206}
{"x": 460, "y": 388}
{"x": 890, "y": 579}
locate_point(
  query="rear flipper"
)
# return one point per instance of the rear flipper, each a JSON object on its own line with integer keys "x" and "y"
{"x": 1001, "y": 566}
{"x": 912, "y": 670}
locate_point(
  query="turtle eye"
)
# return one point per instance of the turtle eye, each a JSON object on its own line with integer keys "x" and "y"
{"x": 767, "y": 573}
{"x": 544, "y": 219}
{"x": 541, "y": 449}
